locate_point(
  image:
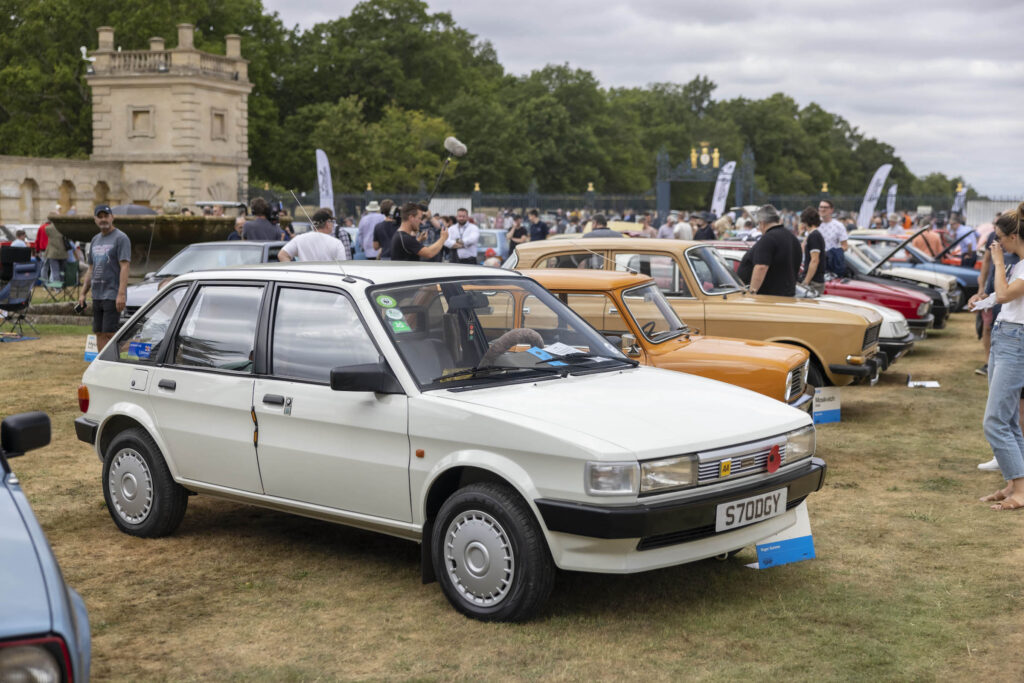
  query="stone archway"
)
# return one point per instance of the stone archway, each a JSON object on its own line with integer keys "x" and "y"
{"x": 100, "y": 194}
{"x": 67, "y": 196}
{"x": 28, "y": 201}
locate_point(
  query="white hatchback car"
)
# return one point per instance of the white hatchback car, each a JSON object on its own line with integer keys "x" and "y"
{"x": 398, "y": 398}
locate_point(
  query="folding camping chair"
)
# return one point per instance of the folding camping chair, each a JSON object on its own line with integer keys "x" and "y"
{"x": 9, "y": 256}
{"x": 65, "y": 289}
{"x": 16, "y": 297}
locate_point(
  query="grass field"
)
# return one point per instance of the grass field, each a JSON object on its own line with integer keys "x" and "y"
{"x": 914, "y": 579}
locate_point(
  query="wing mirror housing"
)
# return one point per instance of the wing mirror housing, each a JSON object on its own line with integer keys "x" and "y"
{"x": 375, "y": 377}
{"x": 24, "y": 432}
{"x": 629, "y": 345}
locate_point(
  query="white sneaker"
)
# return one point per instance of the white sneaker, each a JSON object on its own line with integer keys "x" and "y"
{"x": 991, "y": 465}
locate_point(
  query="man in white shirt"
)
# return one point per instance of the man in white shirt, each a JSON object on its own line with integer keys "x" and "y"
{"x": 463, "y": 238}
{"x": 832, "y": 230}
{"x": 316, "y": 245}
{"x": 369, "y": 221}
{"x": 683, "y": 230}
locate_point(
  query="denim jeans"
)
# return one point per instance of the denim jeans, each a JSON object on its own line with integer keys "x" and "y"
{"x": 1005, "y": 380}
{"x": 56, "y": 269}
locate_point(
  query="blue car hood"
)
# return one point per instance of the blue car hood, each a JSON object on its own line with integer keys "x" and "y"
{"x": 24, "y": 604}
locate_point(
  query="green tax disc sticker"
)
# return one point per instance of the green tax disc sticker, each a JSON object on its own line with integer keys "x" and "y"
{"x": 400, "y": 326}
{"x": 385, "y": 301}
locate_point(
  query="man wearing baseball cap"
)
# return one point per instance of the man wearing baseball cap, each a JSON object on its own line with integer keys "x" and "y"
{"x": 107, "y": 275}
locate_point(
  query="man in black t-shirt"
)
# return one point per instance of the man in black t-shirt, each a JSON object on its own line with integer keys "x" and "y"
{"x": 814, "y": 251}
{"x": 384, "y": 231}
{"x": 406, "y": 245}
{"x": 776, "y": 256}
{"x": 517, "y": 234}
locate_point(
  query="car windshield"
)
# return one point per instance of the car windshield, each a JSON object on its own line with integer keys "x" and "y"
{"x": 711, "y": 271}
{"x": 471, "y": 332}
{"x": 653, "y": 314}
{"x": 199, "y": 257}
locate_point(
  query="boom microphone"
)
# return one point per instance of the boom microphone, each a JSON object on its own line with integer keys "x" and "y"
{"x": 454, "y": 147}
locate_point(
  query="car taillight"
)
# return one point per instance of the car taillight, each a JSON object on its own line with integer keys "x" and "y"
{"x": 83, "y": 398}
{"x": 35, "y": 659}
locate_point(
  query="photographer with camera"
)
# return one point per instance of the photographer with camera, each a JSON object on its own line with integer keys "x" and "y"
{"x": 260, "y": 229}
{"x": 406, "y": 244}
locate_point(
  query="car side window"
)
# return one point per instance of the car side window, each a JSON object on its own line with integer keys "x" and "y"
{"x": 315, "y": 331}
{"x": 219, "y": 330}
{"x": 599, "y": 310}
{"x": 584, "y": 260}
{"x": 662, "y": 268}
{"x": 144, "y": 339}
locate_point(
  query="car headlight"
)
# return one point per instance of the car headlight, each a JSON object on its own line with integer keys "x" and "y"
{"x": 668, "y": 473}
{"x": 922, "y": 308}
{"x": 611, "y": 478}
{"x": 29, "y": 662}
{"x": 800, "y": 444}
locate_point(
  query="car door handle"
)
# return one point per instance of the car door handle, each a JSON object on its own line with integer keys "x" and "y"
{"x": 612, "y": 310}
{"x": 168, "y": 384}
{"x": 273, "y": 399}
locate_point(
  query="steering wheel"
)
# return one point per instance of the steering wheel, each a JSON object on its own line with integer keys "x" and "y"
{"x": 648, "y": 328}
{"x": 520, "y": 335}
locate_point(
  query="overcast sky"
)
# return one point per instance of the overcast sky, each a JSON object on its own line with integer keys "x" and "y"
{"x": 941, "y": 81}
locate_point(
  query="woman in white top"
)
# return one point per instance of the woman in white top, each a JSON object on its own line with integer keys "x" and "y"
{"x": 1006, "y": 363}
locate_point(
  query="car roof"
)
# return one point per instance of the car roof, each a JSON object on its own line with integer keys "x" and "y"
{"x": 572, "y": 278}
{"x": 237, "y": 244}
{"x": 376, "y": 272}
{"x": 645, "y": 244}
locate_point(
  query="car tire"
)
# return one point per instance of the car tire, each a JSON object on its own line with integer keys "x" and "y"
{"x": 490, "y": 555}
{"x": 815, "y": 376}
{"x": 142, "y": 497}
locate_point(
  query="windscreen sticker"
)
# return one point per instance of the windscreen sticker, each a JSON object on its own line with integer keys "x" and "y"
{"x": 557, "y": 363}
{"x": 539, "y": 353}
{"x": 385, "y": 301}
{"x": 399, "y": 326}
{"x": 140, "y": 349}
{"x": 394, "y": 314}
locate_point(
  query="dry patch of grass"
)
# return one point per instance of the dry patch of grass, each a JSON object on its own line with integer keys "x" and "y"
{"x": 914, "y": 578}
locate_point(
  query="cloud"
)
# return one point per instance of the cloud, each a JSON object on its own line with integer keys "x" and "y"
{"x": 943, "y": 81}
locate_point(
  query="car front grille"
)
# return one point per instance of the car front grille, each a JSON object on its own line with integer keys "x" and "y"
{"x": 743, "y": 464}
{"x": 796, "y": 382}
{"x": 871, "y": 336}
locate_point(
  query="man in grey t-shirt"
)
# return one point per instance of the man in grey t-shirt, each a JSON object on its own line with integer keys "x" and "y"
{"x": 107, "y": 276}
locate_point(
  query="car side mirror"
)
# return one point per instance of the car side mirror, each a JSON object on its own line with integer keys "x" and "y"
{"x": 24, "y": 432}
{"x": 629, "y": 346}
{"x": 150, "y": 275}
{"x": 375, "y": 377}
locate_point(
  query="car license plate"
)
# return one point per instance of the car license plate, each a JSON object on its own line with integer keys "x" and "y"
{"x": 737, "y": 513}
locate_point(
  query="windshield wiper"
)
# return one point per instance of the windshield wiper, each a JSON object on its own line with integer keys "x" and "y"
{"x": 496, "y": 371}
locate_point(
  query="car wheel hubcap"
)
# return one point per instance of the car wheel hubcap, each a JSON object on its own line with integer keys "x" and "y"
{"x": 131, "y": 486}
{"x": 479, "y": 558}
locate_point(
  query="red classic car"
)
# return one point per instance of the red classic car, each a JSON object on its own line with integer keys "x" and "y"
{"x": 914, "y": 306}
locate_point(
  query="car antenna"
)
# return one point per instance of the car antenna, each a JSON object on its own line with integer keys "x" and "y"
{"x": 346, "y": 277}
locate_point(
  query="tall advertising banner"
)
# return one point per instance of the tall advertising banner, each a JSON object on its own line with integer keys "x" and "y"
{"x": 323, "y": 179}
{"x": 959, "y": 201}
{"x": 722, "y": 188}
{"x": 890, "y": 201}
{"x": 867, "y": 207}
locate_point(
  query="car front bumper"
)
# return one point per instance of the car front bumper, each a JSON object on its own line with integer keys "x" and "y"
{"x": 893, "y": 349}
{"x": 668, "y": 523}
{"x": 868, "y": 372}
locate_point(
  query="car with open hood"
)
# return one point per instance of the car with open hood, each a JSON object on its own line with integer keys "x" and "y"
{"x": 44, "y": 625}
{"x": 842, "y": 340}
{"x": 403, "y": 399}
{"x": 895, "y": 251}
{"x": 631, "y": 312}
{"x": 862, "y": 265}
